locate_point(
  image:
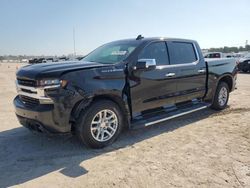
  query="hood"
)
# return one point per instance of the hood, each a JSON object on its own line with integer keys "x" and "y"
{"x": 54, "y": 70}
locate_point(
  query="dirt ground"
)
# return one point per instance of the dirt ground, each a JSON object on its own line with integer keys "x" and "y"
{"x": 204, "y": 149}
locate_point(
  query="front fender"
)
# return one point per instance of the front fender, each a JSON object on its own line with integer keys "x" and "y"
{"x": 91, "y": 84}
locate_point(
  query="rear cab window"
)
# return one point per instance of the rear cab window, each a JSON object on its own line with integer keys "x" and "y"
{"x": 181, "y": 52}
{"x": 213, "y": 55}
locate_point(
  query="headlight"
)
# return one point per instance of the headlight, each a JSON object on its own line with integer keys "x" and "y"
{"x": 52, "y": 83}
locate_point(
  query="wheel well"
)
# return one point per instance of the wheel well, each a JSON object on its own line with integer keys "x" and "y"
{"x": 117, "y": 100}
{"x": 228, "y": 80}
{"x": 81, "y": 105}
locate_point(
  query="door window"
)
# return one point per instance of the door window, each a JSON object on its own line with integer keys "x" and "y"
{"x": 157, "y": 51}
{"x": 181, "y": 52}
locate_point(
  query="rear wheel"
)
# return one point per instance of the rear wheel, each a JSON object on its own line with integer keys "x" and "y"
{"x": 221, "y": 96}
{"x": 100, "y": 124}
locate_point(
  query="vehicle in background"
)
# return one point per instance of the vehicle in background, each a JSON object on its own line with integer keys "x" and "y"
{"x": 244, "y": 63}
{"x": 48, "y": 60}
{"x": 240, "y": 55}
{"x": 24, "y": 61}
{"x": 36, "y": 60}
{"x": 129, "y": 83}
{"x": 214, "y": 55}
{"x": 32, "y": 61}
{"x": 63, "y": 59}
{"x": 40, "y": 60}
{"x": 229, "y": 55}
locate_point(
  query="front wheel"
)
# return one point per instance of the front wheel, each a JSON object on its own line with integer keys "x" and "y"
{"x": 100, "y": 124}
{"x": 221, "y": 96}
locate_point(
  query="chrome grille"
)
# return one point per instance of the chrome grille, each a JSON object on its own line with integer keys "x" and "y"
{"x": 32, "y": 95}
{"x": 26, "y": 82}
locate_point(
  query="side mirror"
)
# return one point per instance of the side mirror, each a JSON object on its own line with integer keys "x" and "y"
{"x": 145, "y": 64}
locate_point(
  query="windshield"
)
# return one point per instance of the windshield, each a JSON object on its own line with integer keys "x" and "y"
{"x": 112, "y": 52}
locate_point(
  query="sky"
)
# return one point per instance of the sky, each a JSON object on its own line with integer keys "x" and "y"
{"x": 45, "y": 27}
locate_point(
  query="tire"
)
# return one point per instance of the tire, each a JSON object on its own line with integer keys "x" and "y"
{"x": 93, "y": 126}
{"x": 221, "y": 96}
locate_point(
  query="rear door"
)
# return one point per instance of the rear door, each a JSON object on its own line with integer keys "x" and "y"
{"x": 191, "y": 70}
{"x": 153, "y": 88}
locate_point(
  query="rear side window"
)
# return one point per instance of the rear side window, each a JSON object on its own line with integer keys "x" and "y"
{"x": 181, "y": 52}
{"x": 157, "y": 51}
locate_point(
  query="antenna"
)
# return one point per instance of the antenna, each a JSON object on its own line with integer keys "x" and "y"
{"x": 74, "y": 41}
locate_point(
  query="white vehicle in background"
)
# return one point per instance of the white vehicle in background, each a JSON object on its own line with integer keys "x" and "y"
{"x": 214, "y": 55}
{"x": 241, "y": 54}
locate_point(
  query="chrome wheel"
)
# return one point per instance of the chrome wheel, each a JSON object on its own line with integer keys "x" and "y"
{"x": 223, "y": 95}
{"x": 104, "y": 125}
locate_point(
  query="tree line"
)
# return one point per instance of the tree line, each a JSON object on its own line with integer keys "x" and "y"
{"x": 227, "y": 49}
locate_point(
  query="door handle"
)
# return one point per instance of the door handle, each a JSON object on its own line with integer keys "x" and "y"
{"x": 201, "y": 71}
{"x": 171, "y": 74}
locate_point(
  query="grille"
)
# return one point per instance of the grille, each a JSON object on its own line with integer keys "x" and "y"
{"x": 24, "y": 82}
{"x": 28, "y": 101}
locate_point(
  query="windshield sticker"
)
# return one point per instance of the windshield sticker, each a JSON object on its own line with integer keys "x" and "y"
{"x": 119, "y": 53}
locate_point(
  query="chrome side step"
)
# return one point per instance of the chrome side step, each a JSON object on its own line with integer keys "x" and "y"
{"x": 174, "y": 116}
{"x": 164, "y": 116}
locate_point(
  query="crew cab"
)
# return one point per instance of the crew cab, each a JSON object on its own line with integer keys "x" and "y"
{"x": 131, "y": 83}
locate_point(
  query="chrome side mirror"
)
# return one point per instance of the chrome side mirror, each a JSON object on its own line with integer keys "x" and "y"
{"x": 143, "y": 64}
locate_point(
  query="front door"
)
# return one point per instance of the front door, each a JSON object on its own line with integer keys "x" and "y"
{"x": 153, "y": 88}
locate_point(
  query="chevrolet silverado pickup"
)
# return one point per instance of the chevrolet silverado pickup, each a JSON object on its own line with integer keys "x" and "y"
{"x": 131, "y": 83}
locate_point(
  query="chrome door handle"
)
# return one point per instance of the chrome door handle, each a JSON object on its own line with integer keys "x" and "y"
{"x": 171, "y": 74}
{"x": 201, "y": 71}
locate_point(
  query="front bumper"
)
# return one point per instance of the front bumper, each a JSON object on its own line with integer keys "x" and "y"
{"x": 42, "y": 118}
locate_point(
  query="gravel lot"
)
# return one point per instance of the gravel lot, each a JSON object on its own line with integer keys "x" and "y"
{"x": 204, "y": 149}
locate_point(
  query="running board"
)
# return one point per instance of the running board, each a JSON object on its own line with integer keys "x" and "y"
{"x": 168, "y": 115}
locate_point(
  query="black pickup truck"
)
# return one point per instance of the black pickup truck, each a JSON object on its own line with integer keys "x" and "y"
{"x": 128, "y": 83}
